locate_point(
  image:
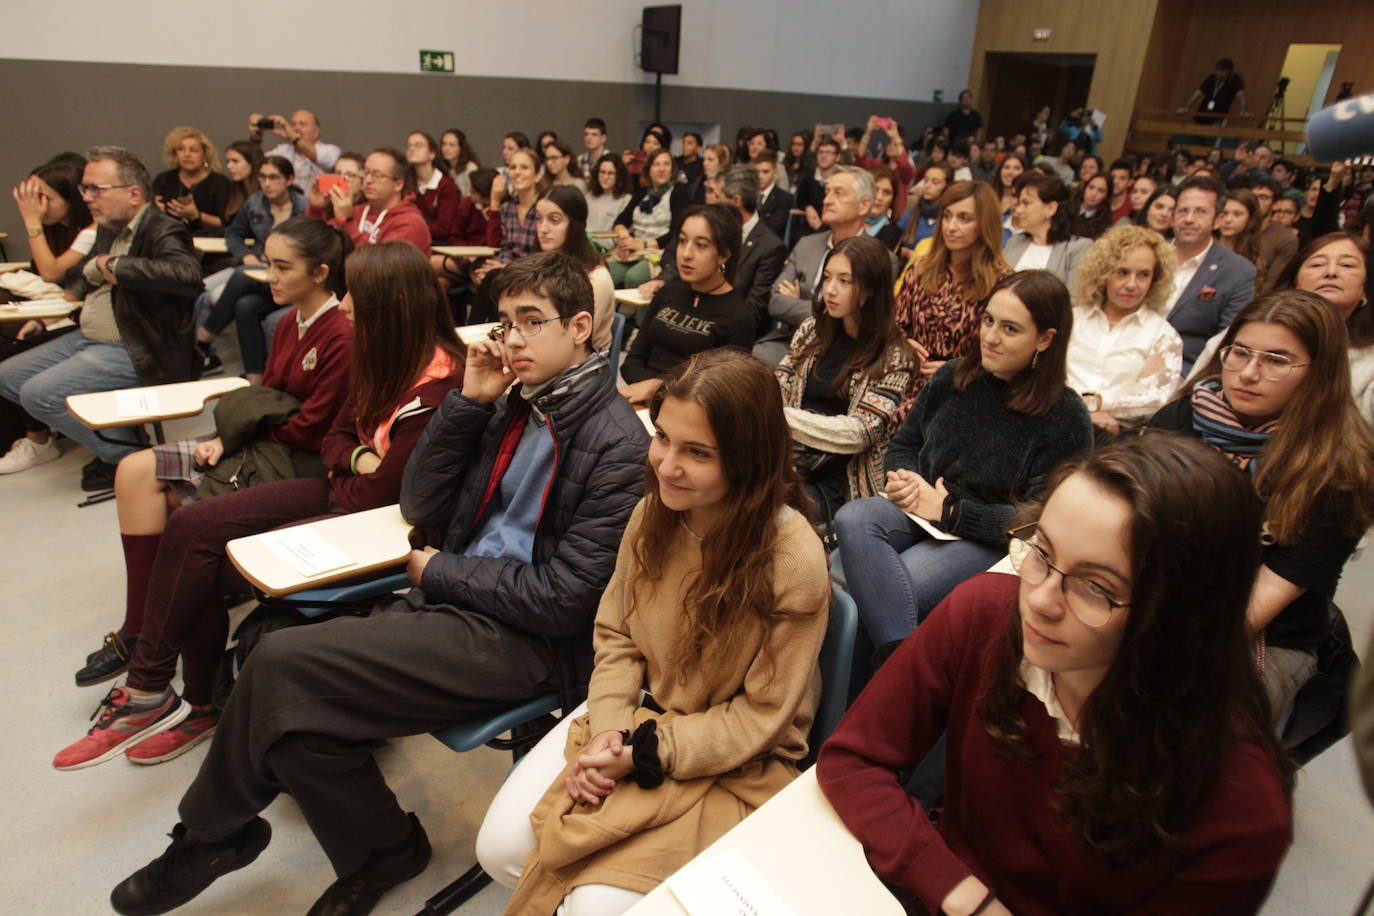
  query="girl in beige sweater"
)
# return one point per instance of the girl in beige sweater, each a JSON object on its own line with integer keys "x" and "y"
{"x": 706, "y": 678}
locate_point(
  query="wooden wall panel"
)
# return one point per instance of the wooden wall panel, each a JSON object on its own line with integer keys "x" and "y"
{"x": 1117, "y": 32}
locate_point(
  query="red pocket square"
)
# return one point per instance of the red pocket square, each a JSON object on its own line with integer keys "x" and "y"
{"x": 1206, "y": 293}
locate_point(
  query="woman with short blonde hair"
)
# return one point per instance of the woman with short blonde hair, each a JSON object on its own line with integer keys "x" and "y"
{"x": 1125, "y": 359}
{"x": 192, "y": 189}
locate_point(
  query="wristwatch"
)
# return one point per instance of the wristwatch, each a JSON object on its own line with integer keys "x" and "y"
{"x": 1093, "y": 401}
{"x": 33, "y": 232}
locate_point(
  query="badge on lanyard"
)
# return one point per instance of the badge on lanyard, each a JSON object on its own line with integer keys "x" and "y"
{"x": 310, "y": 360}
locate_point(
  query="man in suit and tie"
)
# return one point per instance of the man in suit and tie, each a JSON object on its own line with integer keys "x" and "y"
{"x": 849, "y": 194}
{"x": 775, "y": 204}
{"x": 1212, "y": 284}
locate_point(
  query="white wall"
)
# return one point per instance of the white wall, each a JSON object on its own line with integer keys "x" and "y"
{"x": 901, "y": 49}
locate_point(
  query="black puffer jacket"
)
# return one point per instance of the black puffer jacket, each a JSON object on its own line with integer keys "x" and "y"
{"x": 598, "y": 476}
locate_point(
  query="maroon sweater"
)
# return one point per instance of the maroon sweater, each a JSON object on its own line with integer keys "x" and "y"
{"x": 402, "y": 222}
{"x": 350, "y": 493}
{"x": 439, "y": 207}
{"x": 314, "y": 370}
{"x": 474, "y": 226}
{"x": 1000, "y": 821}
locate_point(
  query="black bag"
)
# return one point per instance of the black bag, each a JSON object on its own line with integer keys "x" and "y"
{"x": 1321, "y": 708}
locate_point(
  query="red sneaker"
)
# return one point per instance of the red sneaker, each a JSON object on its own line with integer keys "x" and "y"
{"x": 174, "y": 742}
{"x": 117, "y": 726}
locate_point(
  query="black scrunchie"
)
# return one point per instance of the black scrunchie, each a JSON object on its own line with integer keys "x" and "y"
{"x": 648, "y": 771}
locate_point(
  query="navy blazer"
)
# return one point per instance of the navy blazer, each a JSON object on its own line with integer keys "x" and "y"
{"x": 1223, "y": 285}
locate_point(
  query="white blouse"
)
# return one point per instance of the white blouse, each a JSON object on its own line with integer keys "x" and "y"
{"x": 1135, "y": 365}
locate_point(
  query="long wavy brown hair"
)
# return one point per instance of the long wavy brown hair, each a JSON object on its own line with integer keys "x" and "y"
{"x": 987, "y": 265}
{"x": 1183, "y": 686}
{"x": 733, "y": 591}
{"x": 1323, "y": 447}
{"x": 1246, "y": 242}
{"x": 400, "y": 316}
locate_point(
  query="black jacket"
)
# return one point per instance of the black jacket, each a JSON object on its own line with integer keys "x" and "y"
{"x": 776, "y": 210}
{"x": 760, "y": 264}
{"x": 156, "y": 284}
{"x": 598, "y": 476}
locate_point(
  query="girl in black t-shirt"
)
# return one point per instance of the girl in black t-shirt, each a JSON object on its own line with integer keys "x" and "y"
{"x": 701, "y": 310}
{"x": 1275, "y": 398}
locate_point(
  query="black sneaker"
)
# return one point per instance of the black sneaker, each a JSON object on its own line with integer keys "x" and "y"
{"x": 110, "y": 660}
{"x": 186, "y": 869}
{"x": 209, "y": 361}
{"x": 357, "y": 894}
{"x": 97, "y": 478}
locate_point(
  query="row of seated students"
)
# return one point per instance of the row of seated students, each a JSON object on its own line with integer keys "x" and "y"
{"x": 708, "y": 246}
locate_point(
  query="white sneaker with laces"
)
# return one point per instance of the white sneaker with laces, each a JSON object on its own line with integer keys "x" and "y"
{"x": 26, "y": 454}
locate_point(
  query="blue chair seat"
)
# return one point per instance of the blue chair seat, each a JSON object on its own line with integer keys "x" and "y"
{"x": 472, "y": 734}
{"x": 348, "y": 591}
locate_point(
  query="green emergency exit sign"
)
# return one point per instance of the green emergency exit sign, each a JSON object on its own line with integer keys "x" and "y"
{"x": 436, "y": 61}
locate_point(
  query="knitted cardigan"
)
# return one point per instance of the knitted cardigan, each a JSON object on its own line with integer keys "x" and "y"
{"x": 872, "y": 420}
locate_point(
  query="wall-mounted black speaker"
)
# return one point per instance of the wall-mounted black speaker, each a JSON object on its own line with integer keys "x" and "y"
{"x": 658, "y": 38}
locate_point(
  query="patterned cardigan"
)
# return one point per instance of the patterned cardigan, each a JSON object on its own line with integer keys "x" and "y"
{"x": 872, "y": 420}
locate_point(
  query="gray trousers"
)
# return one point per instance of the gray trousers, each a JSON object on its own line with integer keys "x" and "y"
{"x": 1285, "y": 671}
{"x": 314, "y": 701}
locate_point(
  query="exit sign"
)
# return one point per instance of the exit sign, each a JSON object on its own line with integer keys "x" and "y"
{"x": 436, "y": 61}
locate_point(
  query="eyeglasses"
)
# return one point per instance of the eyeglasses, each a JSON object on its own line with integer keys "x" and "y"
{"x": 1272, "y": 366}
{"x": 263, "y": 176}
{"x": 528, "y": 327}
{"x": 1088, "y": 601}
{"x": 378, "y": 176}
{"x": 93, "y": 191}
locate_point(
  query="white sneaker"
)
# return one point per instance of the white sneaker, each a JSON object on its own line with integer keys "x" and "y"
{"x": 26, "y": 454}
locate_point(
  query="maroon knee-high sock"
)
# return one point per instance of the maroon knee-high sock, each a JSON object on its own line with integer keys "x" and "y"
{"x": 139, "y": 552}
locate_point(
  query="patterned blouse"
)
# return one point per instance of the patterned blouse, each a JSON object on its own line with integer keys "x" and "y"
{"x": 519, "y": 237}
{"x": 943, "y": 323}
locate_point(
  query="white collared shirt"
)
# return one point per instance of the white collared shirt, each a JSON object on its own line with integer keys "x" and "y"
{"x": 303, "y": 326}
{"x": 1135, "y": 365}
{"x": 748, "y": 226}
{"x": 1184, "y": 275}
{"x": 1040, "y": 684}
{"x": 433, "y": 182}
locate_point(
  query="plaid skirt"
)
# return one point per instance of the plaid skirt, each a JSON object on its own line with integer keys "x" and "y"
{"x": 175, "y": 465}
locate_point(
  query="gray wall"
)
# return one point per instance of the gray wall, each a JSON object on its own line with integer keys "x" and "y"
{"x": 58, "y": 106}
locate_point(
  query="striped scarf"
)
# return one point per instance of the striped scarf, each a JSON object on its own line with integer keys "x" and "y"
{"x": 1217, "y": 424}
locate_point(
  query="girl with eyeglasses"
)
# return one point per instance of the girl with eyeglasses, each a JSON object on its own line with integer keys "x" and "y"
{"x": 1108, "y": 743}
{"x": 1275, "y": 399}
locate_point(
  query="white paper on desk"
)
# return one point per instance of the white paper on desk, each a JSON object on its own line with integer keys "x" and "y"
{"x": 725, "y": 884}
{"x": 306, "y": 551}
{"x": 927, "y": 527}
{"x": 137, "y": 402}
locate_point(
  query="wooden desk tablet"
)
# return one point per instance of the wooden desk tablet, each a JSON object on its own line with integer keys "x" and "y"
{"x": 209, "y": 245}
{"x": 643, "y": 414}
{"x": 11, "y": 266}
{"x": 466, "y": 251}
{"x": 256, "y": 273}
{"x": 98, "y": 410}
{"x": 632, "y": 297}
{"x": 802, "y": 851}
{"x": 37, "y": 308}
{"x": 374, "y": 540}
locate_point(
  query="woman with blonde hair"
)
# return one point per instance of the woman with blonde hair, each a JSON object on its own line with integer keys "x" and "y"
{"x": 717, "y": 608}
{"x": 192, "y": 189}
{"x": 941, "y": 296}
{"x": 1125, "y": 359}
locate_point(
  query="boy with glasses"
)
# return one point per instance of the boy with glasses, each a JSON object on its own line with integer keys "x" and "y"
{"x": 532, "y": 486}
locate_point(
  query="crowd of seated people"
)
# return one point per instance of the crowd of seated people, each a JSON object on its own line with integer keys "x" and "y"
{"x": 920, "y": 355}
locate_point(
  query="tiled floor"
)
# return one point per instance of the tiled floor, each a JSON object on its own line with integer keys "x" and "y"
{"x": 71, "y": 836}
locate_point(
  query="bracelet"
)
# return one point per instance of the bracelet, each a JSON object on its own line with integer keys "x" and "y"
{"x": 353, "y": 459}
{"x": 986, "y": 902}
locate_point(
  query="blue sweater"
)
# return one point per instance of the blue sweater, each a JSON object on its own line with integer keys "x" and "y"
{"x": 508, "y": 530}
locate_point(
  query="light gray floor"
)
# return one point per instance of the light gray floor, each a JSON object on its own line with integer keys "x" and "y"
{"x": 73, "y": 835}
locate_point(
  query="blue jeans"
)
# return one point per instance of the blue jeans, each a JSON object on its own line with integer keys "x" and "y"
{"x": 245, "y": 302}
{"x": 40, "y": 379}
{"x": 897, "y": 573}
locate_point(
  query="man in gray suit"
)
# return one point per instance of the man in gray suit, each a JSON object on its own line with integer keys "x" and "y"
{"x": 849, "y": 197}
{"x": 1212, "y": 284}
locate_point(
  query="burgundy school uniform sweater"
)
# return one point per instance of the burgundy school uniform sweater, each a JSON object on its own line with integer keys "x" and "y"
{"x": 314, "y": 370}
{"x": 1000, "y": 821}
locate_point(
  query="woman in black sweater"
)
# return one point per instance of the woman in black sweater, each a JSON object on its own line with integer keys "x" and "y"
{"x": 701, "y": 310}
{"x": 984, "y": 434}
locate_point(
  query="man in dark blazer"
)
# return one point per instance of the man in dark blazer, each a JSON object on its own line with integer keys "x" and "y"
{"x": 1212, "y": 284}
{"x": 136, "y": 289}
{"x": 775, "y": 204}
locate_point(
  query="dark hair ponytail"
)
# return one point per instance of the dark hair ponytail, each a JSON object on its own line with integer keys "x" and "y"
{"x": 319, "y": 243}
